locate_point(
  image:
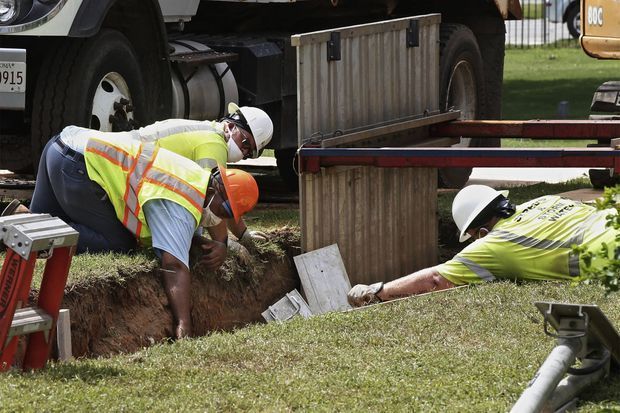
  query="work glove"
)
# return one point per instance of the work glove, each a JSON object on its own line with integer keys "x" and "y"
{"x": 240, "y": 251}
{"x": 249, "y": 238}
{"x": 363, "y": 294}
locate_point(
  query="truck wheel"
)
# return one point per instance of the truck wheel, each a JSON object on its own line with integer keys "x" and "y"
{"x": 573, "y": 20}
{"x": 285, "y": 159}
{"x": 461, "y": 83}
{"x": 95, "y": 83}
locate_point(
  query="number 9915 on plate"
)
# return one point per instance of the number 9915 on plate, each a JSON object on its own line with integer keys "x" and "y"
{"x": 13, "y": 77}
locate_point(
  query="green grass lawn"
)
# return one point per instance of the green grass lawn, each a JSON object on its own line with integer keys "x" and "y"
{"x": 537, "y": 80}
{"x": 469, "y": 350}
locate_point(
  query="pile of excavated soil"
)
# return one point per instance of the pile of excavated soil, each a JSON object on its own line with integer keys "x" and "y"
{"x": 109, "y": 317}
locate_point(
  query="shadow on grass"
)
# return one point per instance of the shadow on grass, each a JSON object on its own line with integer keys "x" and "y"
{"x": 528, "y": 99}
{"x": 81, "y": 371}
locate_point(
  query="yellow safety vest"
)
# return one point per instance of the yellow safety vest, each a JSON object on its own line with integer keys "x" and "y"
{"x": 201, "y": 141}
{"x": 533, "y": 244}
{"x": 133, "y": 172}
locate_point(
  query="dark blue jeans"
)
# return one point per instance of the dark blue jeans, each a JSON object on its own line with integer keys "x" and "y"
{"x": 64, "y": 190}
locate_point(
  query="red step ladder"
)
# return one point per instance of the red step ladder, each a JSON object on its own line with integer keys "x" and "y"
{"x": 28, "y": 237}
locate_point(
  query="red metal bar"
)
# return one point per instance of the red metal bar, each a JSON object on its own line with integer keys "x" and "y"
{"x": 534, "y": 129}
{"x": 313, "y": 159}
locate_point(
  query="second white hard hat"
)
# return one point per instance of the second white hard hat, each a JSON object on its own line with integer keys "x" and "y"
{"x": 260, "y": 124}
{"x": 468, "y": 203}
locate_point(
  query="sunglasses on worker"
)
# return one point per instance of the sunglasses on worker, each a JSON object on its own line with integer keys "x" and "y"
{"x": 246, "y": 140}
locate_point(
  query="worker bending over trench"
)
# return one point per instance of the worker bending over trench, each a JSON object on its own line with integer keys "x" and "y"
{"x": 533, "y": 241}
{"x": 121, "y": 193}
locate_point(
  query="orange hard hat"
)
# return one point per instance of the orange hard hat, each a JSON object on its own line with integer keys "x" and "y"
{"x": 241, "y": 190}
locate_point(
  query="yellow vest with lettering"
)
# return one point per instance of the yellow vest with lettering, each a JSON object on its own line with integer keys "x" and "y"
{"x": 534, "y": 244}
{"x": 133, "y": 172}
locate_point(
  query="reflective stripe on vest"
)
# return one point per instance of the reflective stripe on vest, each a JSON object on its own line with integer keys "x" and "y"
{"x": 207, "y": 163}
{"x": 139, "y": 170}
{"x": 187, "y": 191}
{"x": 480, "y": 271}
{"x": 547, "y": 244}
{"x": 172, "y": 128}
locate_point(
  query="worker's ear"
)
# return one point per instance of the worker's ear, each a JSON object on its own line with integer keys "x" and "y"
{"x": 482, "y": 232}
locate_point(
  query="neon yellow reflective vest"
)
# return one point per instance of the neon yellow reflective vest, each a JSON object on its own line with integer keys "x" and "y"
{"x": 133, "y": 172}
{"x": 201, "y": 141}
{"x": 533, "y": 244}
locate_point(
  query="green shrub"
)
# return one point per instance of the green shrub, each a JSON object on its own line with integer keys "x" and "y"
{"x": 607, "y": 272}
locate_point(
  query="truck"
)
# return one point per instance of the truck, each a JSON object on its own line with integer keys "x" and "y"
{"x": 115, "y": 65}
{"x": 600, "y": 38}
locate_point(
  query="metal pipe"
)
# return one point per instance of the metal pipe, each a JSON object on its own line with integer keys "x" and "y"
{"x": 548, "y": 376}
{"x": 572, "y": 385}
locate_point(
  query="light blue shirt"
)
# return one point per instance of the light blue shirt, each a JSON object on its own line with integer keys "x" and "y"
{"x": 172, "y": 228}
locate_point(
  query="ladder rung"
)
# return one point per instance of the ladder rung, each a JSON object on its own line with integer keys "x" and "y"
{"x": 30, "y": 320}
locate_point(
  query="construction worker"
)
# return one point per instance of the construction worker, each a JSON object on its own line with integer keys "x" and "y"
{"x": 241, "y": 134}
{"x": 118, "y": 192}
{"x": 532, "y": 241}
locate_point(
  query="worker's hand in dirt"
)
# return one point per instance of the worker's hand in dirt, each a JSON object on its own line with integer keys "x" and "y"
{"x": 240, "y": 251}
{"x": 250, "y": 238}
{"x": 213, "y": 253}
{"x": 363, "y": 294}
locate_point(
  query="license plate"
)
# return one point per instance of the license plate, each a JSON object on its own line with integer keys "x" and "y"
{"x": 13, "y": 77}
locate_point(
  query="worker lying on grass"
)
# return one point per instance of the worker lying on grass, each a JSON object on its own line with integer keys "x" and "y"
{"x": 119, "y": 192}
{"x": 532, "y": 241}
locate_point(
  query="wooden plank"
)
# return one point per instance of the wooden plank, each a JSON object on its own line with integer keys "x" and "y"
{"x": 368, "y": 213}
{"x": 324, "y": 279}
{"x": 63, "y": 335}
{"x": 391, "y": 128}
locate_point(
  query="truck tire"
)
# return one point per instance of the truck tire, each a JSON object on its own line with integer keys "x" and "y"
{"x": 461, "y": 87}
{"x": 84, "y": 78}
{"x": 285, "y": 159}
{"x": 573, "y": 20}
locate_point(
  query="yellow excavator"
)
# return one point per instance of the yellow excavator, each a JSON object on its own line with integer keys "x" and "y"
{"x": 600, "y": 38}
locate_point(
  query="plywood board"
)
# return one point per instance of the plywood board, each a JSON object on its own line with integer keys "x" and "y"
{"x": 324, "y": 279}
{"x": 384, "y": 220}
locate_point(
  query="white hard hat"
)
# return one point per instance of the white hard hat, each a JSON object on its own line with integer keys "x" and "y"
{"x": 260, "y": 124}
{"x": 468, "y": 203}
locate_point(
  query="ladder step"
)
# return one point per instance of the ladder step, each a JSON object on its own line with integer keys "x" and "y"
{"x": 30, "y": 320}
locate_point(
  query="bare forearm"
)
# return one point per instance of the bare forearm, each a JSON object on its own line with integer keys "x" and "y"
{"x": 219, "y": 232}
{"x": 419, "y": 282}
{"x": 237, "y": 228}
{"x": 177, "y": 284}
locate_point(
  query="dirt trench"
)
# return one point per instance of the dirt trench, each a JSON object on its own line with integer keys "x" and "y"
{"x": 109, "y": 317}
